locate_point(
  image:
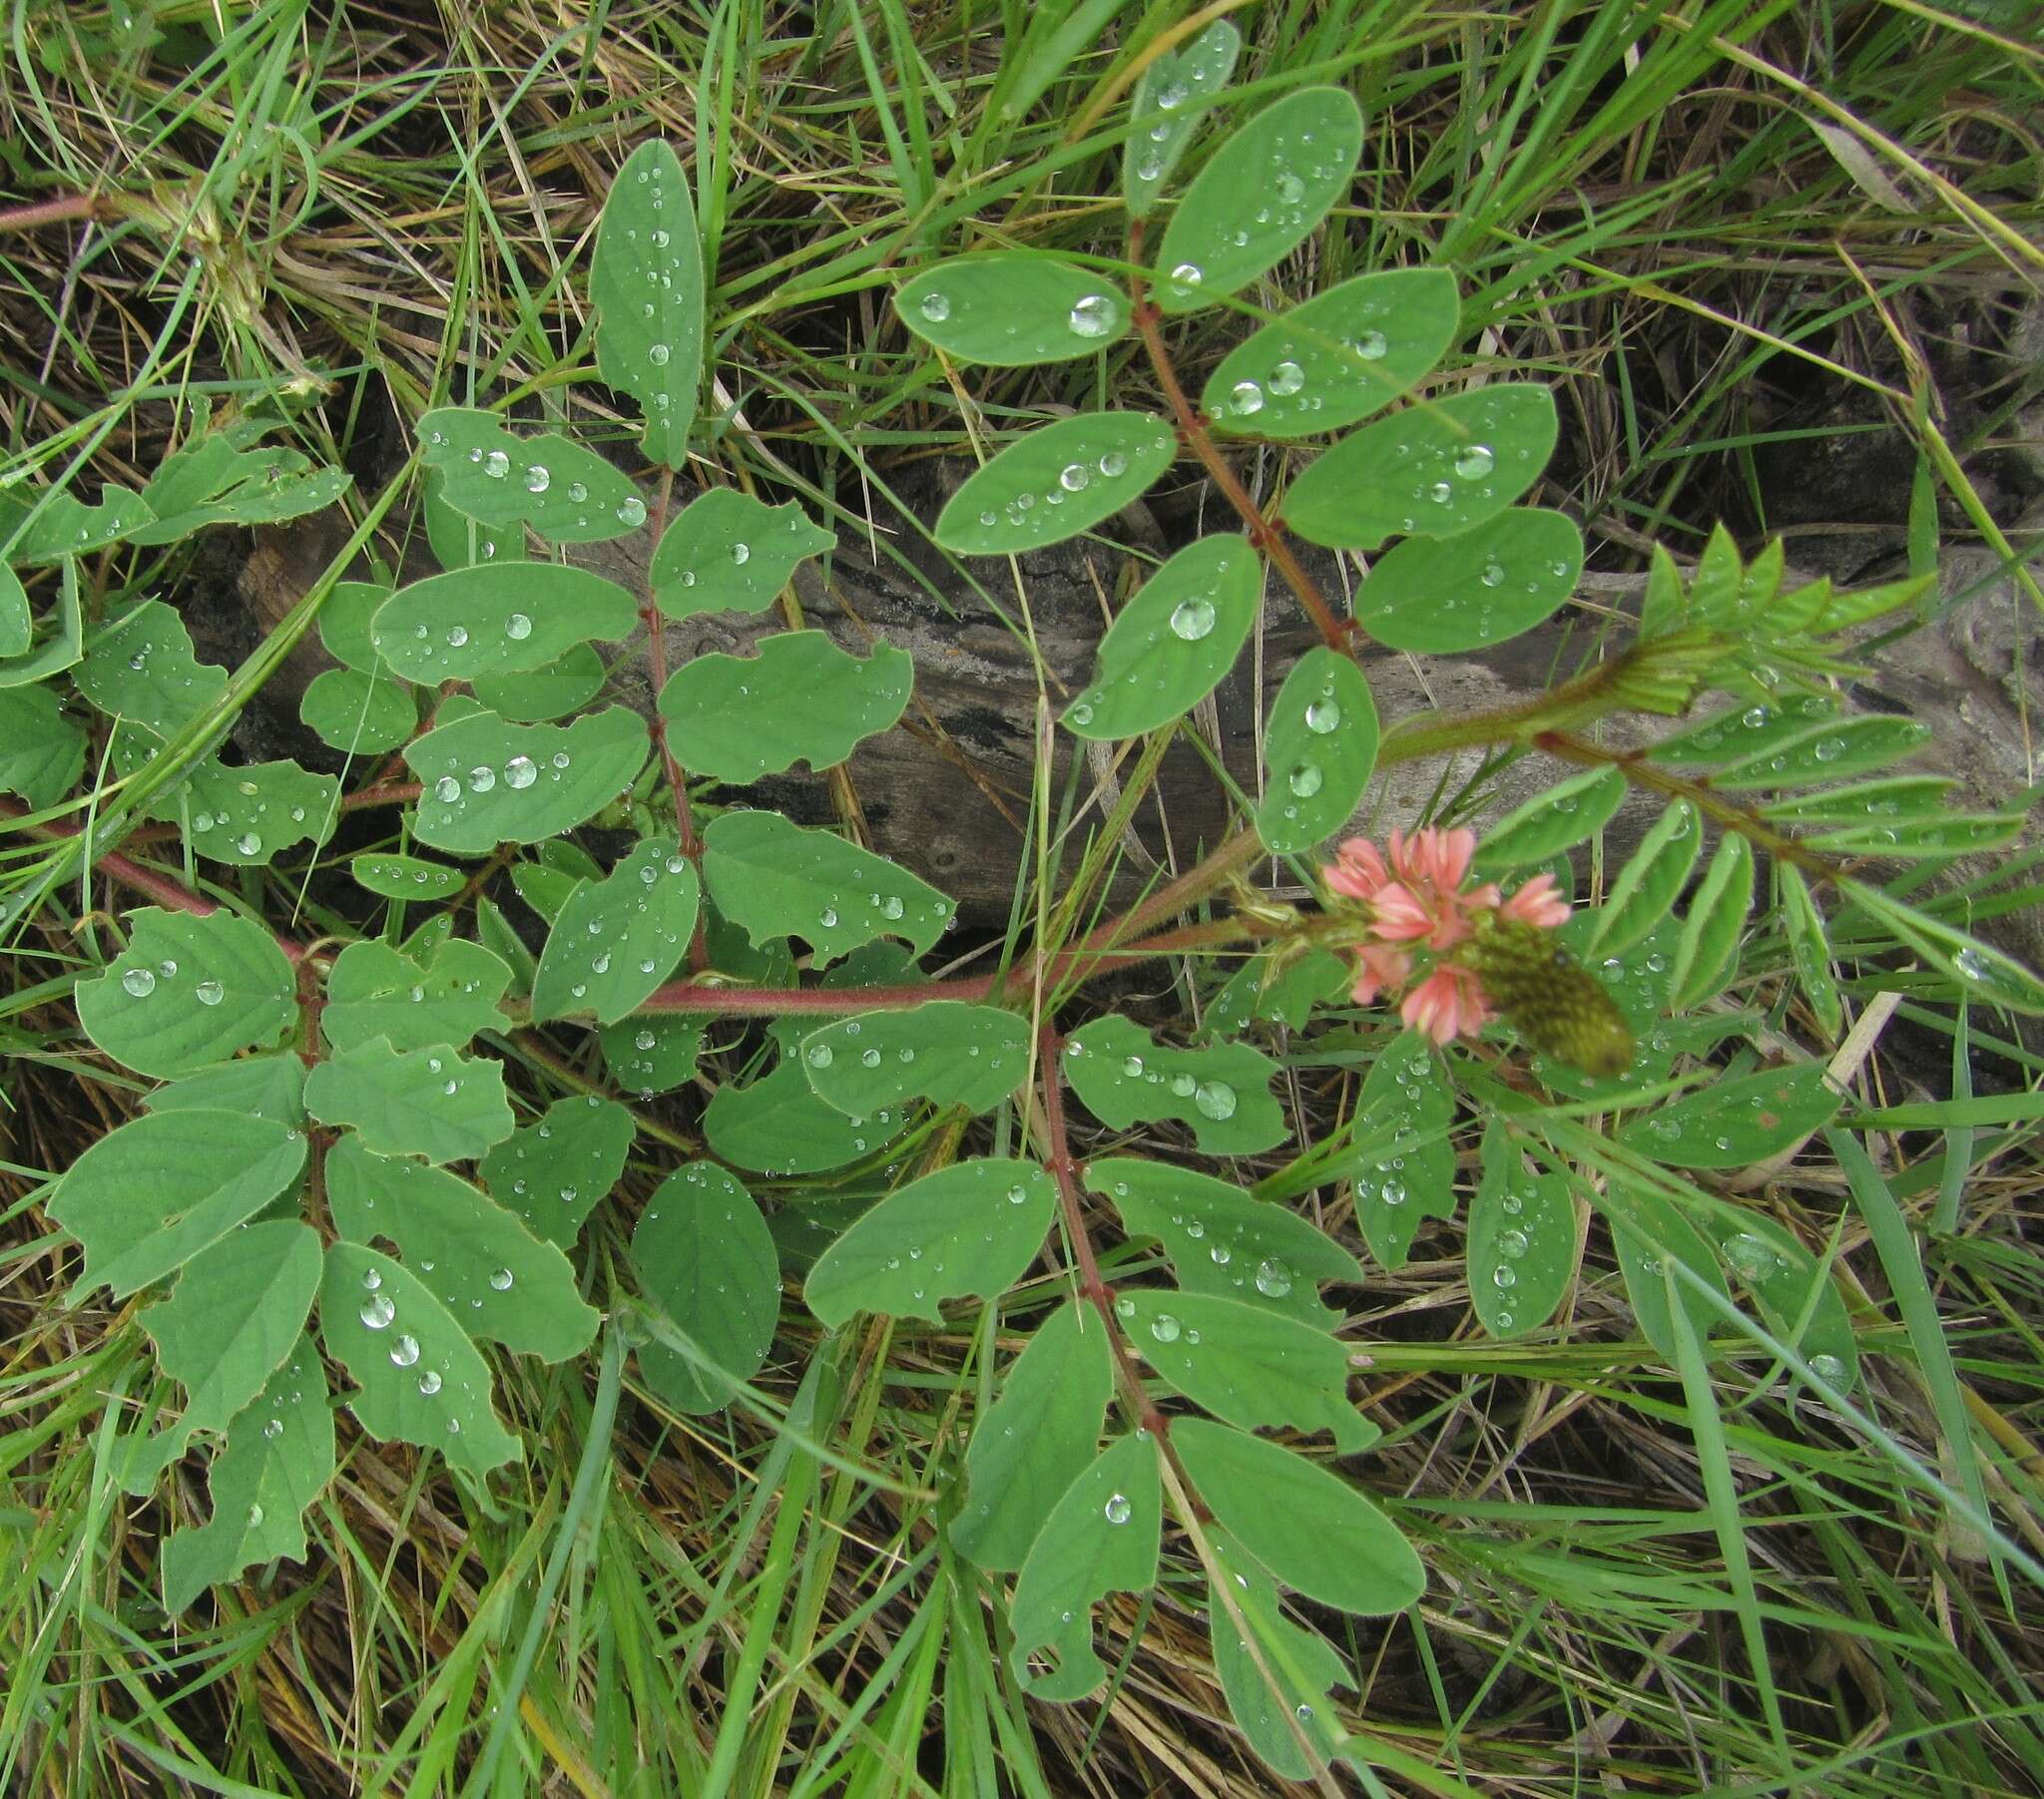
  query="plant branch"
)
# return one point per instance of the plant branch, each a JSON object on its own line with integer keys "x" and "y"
{"x": 655, "y": 668}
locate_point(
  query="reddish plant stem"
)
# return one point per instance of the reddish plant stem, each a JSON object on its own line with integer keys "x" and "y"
{"x": 655, "y": 668}
{"x": 1337, "y": 633}
{"x": 52, "y": 211}
{"x": 1066, "y": 1172}
{"x": 395, "y": 793}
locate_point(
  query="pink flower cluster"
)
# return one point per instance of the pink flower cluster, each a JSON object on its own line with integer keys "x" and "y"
{"x": 1415, "y": 899}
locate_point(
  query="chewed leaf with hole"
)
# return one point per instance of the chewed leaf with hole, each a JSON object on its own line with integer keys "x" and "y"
{"x": 552, "y": 1174}
{"x": 376, "y": 991}
{"x": 729, "y": 552}
{"x": 799, "y": 698}
{"x": 432, "y": 1102}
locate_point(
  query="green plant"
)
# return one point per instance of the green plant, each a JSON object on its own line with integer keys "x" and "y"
{"x": 315, "y": 1095}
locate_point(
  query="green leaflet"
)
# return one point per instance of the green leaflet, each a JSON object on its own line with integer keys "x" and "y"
{"x": 1303, "y": 1666}
{"x": 276, "y": 1461}
{"x": 1259, "y": 197}
{"x": 1319, "y": 747}
{"x": 1247, "y": 1364}
{"x": 1058, "y": 481}
{"x": 1866, "y": 805}
{"x": 221, "y": 478}
{"x": 704, "y": 1254}
{"x": 1737, "y": 733}
{"x": 1330, "y": 362}
{"x": 373, "y": 990}
{"x": 54, "y": 526}
{"x": 1801, "y": 1301}
{"x": 458, "y": 541}
{"x": 347, "y": 619}
{"x": 264, "y": 1086}
{"x": 17, "y": 621}
{"x": 1735, "y": 1123}
{"x": 563, "y": 491}
{"x": 1981, "y": 973}
{"x": 1438, "y": 469}
{"x": 146, "y": 1198}
{"x": 564, "y": 685}
{"x": 470, "y": 1253}
{"x": 1172, "y": 643}
{"x": 619, "y": 938}
{"x": 1645, "y": 892}
{"x": 486, "y": 781}
{"x": 429, "y": 1102}
{"x": 1100, "y": 1538}
{"x": 239, "y": 1312}
{"x": 1707, "y": 953}
{"x": 42, "y": 752}
{"x": 406, "y": 877}
{"x": 1283, "y": 989}
{"x": 969, "y": 1228}
{"x": 62, "y": 648}
{"x": 800, "y": 698}
{"x": 776, "y": 879}
{"x": 187, "y": 992}
{"x": 497, "y": 620}
{"x": 1553, "y": 821}
{"x": 1810, "y": 949}
{"x": 645, "y": 282}
{"x": 141, "y": 668}
{"x": 1825, "y": 753}
{"x": 1221, "y": 1242}
{"x": 648, "y": 1056}
{"x": 777, "y": 1126}
{"x": 1406, "y": 1171}
{"x": 1011, "y": 310}
{"x": 362, "y": 714}
{"x": 1222, "y": 1091}
{"x": 552, "y": 1174}
{"x": 419, "y": 1377}
{"x": 946, "y": 1052}
{"x": 1644, "y": 1228}
{"x": 729, "y": 552}
{"x": 1167, "y": 106}
{"x": 1522, "y": 1240}
{"x": 1314, "y": 1531}
{"x": 1502, "y": 578}
{"x": 1036, "y": 1439}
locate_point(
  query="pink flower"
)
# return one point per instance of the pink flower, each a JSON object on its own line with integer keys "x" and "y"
{"x": 1357, "y": 871}
{"x": 1425, "y": 903}
{"x": 1448, "y": 1003}
{"x": 1538, "y": 903}
{"x": 1380, "y": 969}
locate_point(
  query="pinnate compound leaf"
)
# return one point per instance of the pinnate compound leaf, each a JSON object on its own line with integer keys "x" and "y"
{"x": 486, "y": 781}
{"x": 1036, "y": 1439}
{"x": 188, "y": 991}
{"x": 376, "y": 991}
{"x": 406, "y": 877}
{"x": 800, "y": 698}
{"x": 729, "y": 552}
{"x": 1223, "y": 1090}
{"x": 617, "y": 939}
{"x": 946, "y": 1052}
{"x": 470, "y": 1253}
{"x": 1522, "y": 1240}
{"x": 704, "y": 1254}
{"x": 1469, "y": 591}
{"x": 493, "y": 619}
{"x": 1407, "y": 1170}
{"x": 429, "y": 1102}
{"x": 1735, "y": 1123}
{"x": 1707, "y": 953}
{"x": 142, "y": 668}
{"x": 1795, "y": 1292}
{"x": 1983, "y": 974}
{"x": 1644, "y": 894}
{"x": 146, "y": 1198}
{"x": 1010, "y": 309}
{"x": 1172, "y": 641}
{"x": 969, "y": 1228}
{"x": 776, "y": 879}
{"x": 1221, "y": 1242}
{"x": 648, "y": 1056}
{"x": 418, "y": 1378}
{"x": 553, "y": 1173}
{"x": 1167, "y": 110}
{"x": 1438, "y": 469}
{"x": 250, "y": 814}
{"x": 42, "y": 752}
{"x": 1552, "y": 822}
{"x": 564, "y": 685}
{"x": 1244, "y": 1363}
{"x": 1304, "y": 1668}
{"x": 1319, "y": 747}
{"x": 277, "y": 1459}
{"x": 1330, "y": 362}
{"x": 361, "y": 714}
{"x": 1259, "y": 197}
{"x": 645, "y": 280}
{"x": 563, "y": 491}
{"x": 1060, "y": 480}
{"x": 237, "y": 1312}
{"x": 1311, "y": 1530}
{"x": 1102, "y": 1537}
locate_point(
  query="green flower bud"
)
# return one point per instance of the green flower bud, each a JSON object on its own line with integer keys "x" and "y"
{"x": 1557, "y": 1004}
